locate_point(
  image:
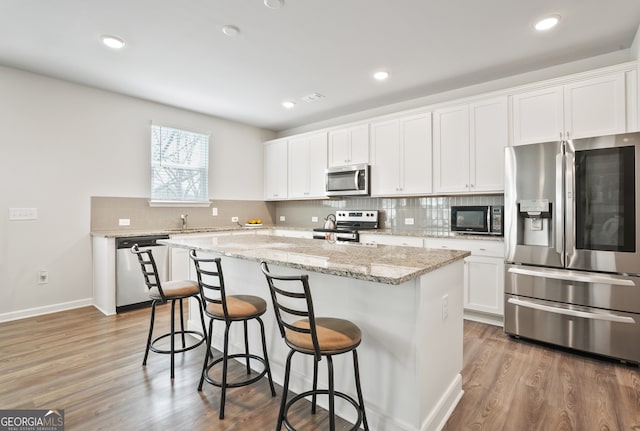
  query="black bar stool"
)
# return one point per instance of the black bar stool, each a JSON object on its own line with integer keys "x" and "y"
{"x": 229, "y": 309}
{"x": 161, "y": 293}
{"x": 321, "y": 337}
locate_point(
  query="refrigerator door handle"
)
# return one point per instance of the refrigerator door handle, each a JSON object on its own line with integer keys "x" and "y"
{"x": 558, "y": 217}
{"x": 591, "y": 278}
{"x": 573, "y": 313}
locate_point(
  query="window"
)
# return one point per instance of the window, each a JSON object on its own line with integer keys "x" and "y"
{"x": 179, "y": 165}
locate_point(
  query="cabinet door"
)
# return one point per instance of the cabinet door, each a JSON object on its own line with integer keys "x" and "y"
{"x": 385, "y": 149}
{"x": 595, "y": 107}
{"x": 275, "y": 170}
{"x": 339, "y": 147}
{"x": 415, "y": 157}
{"x": 359, "y": 145}
{"x": 484, "y": 284}
{"x": 451, "y": 150}
{"x": 538, "y": 116}
{"x": 317, "y": 165}
{"x": 298, "y": 168}
{"x": 489, "y": 137}
{"x": 307, "y": 163}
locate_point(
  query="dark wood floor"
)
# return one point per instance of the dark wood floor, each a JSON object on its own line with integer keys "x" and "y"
{"x": 90, "y": 366}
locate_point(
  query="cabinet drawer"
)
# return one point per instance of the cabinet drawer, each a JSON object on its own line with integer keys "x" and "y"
{"x": 476, "y": 247}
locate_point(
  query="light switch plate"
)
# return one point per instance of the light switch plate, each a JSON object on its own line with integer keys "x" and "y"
{"x": 23, "y": 213}
{"x": 283, "y": 218}
{"x": 124, "y": 222}
{"x": 214, "y": 211}
{"x": 408, "y": 221}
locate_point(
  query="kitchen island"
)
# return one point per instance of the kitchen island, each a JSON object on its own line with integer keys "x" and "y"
{"x": 407, "y": 301}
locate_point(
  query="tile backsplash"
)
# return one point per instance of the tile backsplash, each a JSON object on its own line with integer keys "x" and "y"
{"x": 430, "y": 214}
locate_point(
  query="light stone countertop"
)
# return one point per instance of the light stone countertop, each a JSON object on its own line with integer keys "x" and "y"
{"x": 382, "y": 264}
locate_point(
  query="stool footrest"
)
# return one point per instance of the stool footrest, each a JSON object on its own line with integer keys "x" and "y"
{"x": 236, "y": 384}
{"x": 155, "y": 349}
{"x": 342, "y": 395}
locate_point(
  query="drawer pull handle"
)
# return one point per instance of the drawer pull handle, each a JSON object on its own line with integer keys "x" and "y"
{"x": 573, "y": 313}
{"x": 591, "y": 278}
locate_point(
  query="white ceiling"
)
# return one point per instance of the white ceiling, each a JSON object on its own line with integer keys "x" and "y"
{"x": 177, "y": 54}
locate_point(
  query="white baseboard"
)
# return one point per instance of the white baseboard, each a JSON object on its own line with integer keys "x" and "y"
{"x": 489, "y": 319}
{"x": 47, "y": 309}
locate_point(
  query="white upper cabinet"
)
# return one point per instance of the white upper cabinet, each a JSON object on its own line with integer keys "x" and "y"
{"x": 585, "y": 108}
{"x": 401, "y": 156}
{"x": 307, "y": 163}
{"x": 468, "y": 147}
{"x": 275, "y": 170}
{"x": 349, "y": 146}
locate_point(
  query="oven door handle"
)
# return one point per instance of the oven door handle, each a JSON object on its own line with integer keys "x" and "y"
{"x": 591, "y": 278}
{"x": 573, "y": 313}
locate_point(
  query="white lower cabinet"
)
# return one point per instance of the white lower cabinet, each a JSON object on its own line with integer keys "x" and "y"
{"x": 483, "y": 273}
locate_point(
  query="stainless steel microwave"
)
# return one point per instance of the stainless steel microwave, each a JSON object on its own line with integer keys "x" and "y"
{"x": 350, "y": 180}
{"x": 482, "y": 220}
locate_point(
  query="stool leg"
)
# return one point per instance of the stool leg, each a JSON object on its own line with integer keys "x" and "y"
{"x": 332, "y": 414}
{"x": 315, "y": 385}
{"x": 153, "y": 317}
{"x": 173, "y": 332}
{"x": 246, "y": 346}
{"x": 201, "y": 307}
{"x": 207, "y": 354}
{"x": 224, "y": 369}
{"x": 182, "y": 324}
{"x": 356, "y": 369}
{"x": 285, "y": 389}
{"x": 266, "y": 358}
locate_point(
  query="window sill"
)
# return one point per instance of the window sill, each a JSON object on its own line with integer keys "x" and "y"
{"x": 193, "y": 204}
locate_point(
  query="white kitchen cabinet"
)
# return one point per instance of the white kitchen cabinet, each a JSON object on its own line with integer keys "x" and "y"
{"x": 468, "y": 147}
{"x": 275, "y": 169}
{"x": 349, "y": 146}
{"x": 307, "y": 163}
{"x": 401, "y": 152}
{"x": 483, "y": 274}
{"x": 585, "y": 108}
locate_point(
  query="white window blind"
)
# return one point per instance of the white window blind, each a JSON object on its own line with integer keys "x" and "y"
{"x": 179, "y": 165}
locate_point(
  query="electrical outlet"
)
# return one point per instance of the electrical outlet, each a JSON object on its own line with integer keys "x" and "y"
{"x": 408, "y": 220}
{"x": 124, "y": 222}
{"x": 43, "y": 277}
{"x": 234, "y": 219}
{"x": 314, "y": 219}
{"x": 283, "y": 218}
{"x": 445, "y": 307}
{"x": 214, "y": 211}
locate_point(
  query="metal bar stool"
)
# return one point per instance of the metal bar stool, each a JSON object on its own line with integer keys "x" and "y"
{"x": 161, "y": 293}
{"x": 229, "y": 309}
{"x": 321, "y": 337}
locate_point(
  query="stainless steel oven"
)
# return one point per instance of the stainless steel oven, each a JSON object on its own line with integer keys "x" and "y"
{"x": 348, "y": 225}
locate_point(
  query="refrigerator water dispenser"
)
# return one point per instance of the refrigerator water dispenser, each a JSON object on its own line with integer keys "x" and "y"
{"x": 535, "y": 218}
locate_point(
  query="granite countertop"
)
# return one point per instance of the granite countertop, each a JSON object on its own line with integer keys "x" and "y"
{"x": 124, "y": 233}
{"x": 382, "y": 264}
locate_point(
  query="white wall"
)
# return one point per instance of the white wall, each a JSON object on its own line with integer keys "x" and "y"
{"x": 60, "y": 144}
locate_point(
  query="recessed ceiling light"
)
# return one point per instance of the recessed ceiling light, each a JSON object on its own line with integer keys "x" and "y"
{"x": 288, "y": 104}
{"x": 231, "y": 30}
{"x": 113, "y": 42}
{"x": 547, "y": 23}
{"x": 274, "y": 4}
{"x": 381, "y": 76}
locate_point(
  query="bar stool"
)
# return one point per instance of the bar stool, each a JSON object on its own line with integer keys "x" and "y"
{"x": 321, "y": 337}
{"x": 229, "y": 309}
{"x": 162, "y": 293}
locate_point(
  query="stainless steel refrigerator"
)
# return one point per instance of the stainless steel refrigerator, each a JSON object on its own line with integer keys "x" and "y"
{"x": 572, "y": 245}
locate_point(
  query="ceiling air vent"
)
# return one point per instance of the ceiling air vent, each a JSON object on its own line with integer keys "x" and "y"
{"x": 312, "y": 97}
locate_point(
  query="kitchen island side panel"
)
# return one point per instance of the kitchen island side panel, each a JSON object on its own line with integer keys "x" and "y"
{"x": 409, "y": 363}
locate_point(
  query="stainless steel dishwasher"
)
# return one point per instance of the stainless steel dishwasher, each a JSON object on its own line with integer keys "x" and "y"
{"x": 131, "y": 291}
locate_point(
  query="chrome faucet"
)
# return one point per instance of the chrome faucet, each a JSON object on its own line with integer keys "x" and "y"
{"x": 183, "y": 217}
